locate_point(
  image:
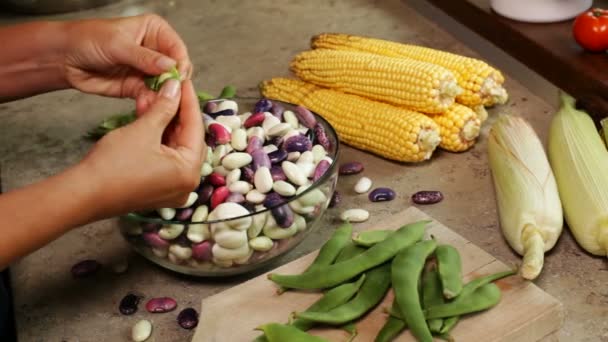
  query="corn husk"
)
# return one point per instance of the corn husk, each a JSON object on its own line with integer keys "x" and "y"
{"x": 580, "y": 161}
{"x": 526, "y": 192}
{"x": 604, "y": 131}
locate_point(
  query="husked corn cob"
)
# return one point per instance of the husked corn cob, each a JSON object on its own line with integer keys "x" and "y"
{"x": 459, "y": 127}
{"x": 409, "y": 83}
{"x": 482, "y": 84}
{"x": 481, "y": 111}
{"x": 389, "y": 131}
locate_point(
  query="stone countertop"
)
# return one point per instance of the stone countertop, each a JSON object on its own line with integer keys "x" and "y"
{"x": 241, "y": 43}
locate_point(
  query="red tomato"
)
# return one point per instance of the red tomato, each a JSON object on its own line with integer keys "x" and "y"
{"x": 591, "y": 30}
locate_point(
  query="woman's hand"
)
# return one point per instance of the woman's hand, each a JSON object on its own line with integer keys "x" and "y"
{"x": 155, "y": 161}
{"x": 112, "y": 57}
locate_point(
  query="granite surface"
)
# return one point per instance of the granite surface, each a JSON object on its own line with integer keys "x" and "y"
{"x": 241, "y": 43}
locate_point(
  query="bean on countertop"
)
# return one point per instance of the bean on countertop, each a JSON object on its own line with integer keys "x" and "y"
{"x": 85, "y": 268}
{"x": 128, "y": 304}
{"x": 161, "y": 305}
{"x": 427, "y": 197}
{"x": 381, "y": 194}
{"x": 188, "y": 318}
{"x": 350, "y": 168}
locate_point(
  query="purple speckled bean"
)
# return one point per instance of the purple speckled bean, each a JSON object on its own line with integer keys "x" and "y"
{"x": 283, "y": 215}
{"x": 350, "y": 168}
{"x": 260, "y": 159}
{"x": 235, "y": 197}
{"x": 336, "y": 198}
{"x": 161, "y": 305}
{"x": 202, "y": 251}
{"x": 128, "y": 304}
{"x": 427, "y": 197}
{"x": 204, "y": 194}
{"x": 320, "y": 170}
{"x": 277, "y": 173}
{"x": 305, "y": 117}
{"x": 277, "y": 110}
{"x": 263, "y": 105}
{"x": 184, "y": 214}
{"x": 85, "y": 268}
{"x": 154, "y": 240}
{"x": 276, "y": 141}
{"x": 381, "y": 195}
{"x": 210, "y": 141}
{"x": 273, "y": 199}
{"x": 224, "y": 112}
{"x": 150, "y": 227}
{"x": 297, "y": 143}
{"x": 247, "y": 174}
{"x": 249, "y": 206}
{"x": 210, "y": 107}
{"x": 254, "y": 143}
{"x": 188, "y": 318}
{"x": 321, "y": 137}
{"x": 277, "y": 156}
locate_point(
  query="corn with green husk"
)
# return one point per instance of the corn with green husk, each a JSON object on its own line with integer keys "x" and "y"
{"x": 580, "y": 161}
{"x": 529, "y": 206}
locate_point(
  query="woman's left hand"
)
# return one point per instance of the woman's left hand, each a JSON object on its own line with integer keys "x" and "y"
{"x": 112, "y": 57}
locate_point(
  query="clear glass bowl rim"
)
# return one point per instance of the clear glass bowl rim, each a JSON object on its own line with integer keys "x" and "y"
{"x": 141, "y": 218}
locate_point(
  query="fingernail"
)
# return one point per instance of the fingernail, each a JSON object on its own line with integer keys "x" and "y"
{"x": 165, "y": 63}
{"x": 170, "y": 89}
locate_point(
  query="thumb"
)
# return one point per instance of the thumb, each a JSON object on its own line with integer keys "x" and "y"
{"x": 146, "y": 60}
{"x": 164, "y": 108}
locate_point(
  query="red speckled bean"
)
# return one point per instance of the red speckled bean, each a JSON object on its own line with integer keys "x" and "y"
{"x": 154, "y": 240}
{"x": 427, "y": 197}
{"x": 321, "y": 137}
{"x": 219, "y": 196}
{"x": 305, "y": 117}
{"x": 351, "y": 168}
{"x": 320, "y": 170}
{"x": 202, "y": 251}
{"x": 216, "y": 179}
{"x": 381, "y": 194}
{"x": 161, "y": 305}
{"x": 85, "y": 268}
{"x": 255, "y": 119}
{"x": 219, "y": 133}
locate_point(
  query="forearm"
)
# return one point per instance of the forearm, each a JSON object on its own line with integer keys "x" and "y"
{"x": 31, "y": 61}
{"x": 37, "y": 214}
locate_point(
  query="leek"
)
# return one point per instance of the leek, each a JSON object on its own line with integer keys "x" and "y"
{"x": 528, "y": 201}
{"x": 580, "y": 161}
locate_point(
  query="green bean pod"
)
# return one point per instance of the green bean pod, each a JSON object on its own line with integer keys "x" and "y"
{"x": 474, "y": 284}
{"x": 483, "y": 298}
{"x": 332, "y": 275}
{"x": 448, "y": 324}
{"x": 369, "y": 238}
{"x": 349, "y": 251}
{"x": 156, "y": 82}
{"x": 276, "y": 332}
{"x": 331, "y": 249}
{"x": 374, "y": 288}
{"x": 450, "y": 270}
{"x": 350, "y": 328}
{"x": 406, "y": 271}
{"x": 330, "y": 300}
{"x": 228, "y": 92}
{"x": 432, "y": 295}
{"x": 392, "y": 328}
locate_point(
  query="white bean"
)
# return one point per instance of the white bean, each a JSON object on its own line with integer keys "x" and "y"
{"x": 259, "y": 220}
{"x": 166, "y": 213}
{"x": 300, "y": 222}
{"x": 296, "y": 206}
{"x": 303, "y": 188}
{"x": 328, "y": 159}
{"x": 363, "y": 185}
{"x": 263, "y": 179}
{"x": 245, "y": 259}
{"x": 307, "y": 169}
{"x": 270, "y": 148}
{"x": 238, "y": 139}
{"x": 229, "y": 210}
{"x": 221, "y": 253}
{"x": 227, "y": 104}
{"x": 233, "y": 176}
{"x": 221, "y": 170}
{"x": 198, "y": 232}
{"x": 141, "y": 330}
{"x": 240, "y": 187}
{"x": 318, "y": 153}
{"x": 261, "y": 243}
{"x": 279, "y": 130}
{"x": 231, "y": 121}
{"x": 181, "y": 252}
{"x": 236, "y": 160}
{"x": 222, "y": 263}
{"x": 284, "y": 188}
{"x": 230, "y": 238}
{"x": 255, "y": 197}
{"x": 293, "y": 156}
{"x": 306, "y": 157}
{"x": 206, "y": 169}
{"x": 160, "y": 252}
{"x": 171, "y": 231}
{"x": 303, "y": 129}
{"x": 174, "y": 259}
{"x": 312, "y": 198}
{"x": 218, "y": 153}
{"x": 354, "y": 215}
{"x": 270, "y": 122}
{"x": 209, "y": 154}
{"x": 277, "y": 233}
{"x": 291, "y": 118}
{"x": 256, "y": 131}
{"x": 192, "y": 197}
{"x": 293, "y": 173}
{"x": 290, "y": 134}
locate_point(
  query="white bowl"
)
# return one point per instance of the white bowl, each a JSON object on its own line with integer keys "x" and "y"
{"x": 540, "y": 11}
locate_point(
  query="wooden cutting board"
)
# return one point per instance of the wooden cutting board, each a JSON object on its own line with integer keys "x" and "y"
{"x": 525, "y": 313}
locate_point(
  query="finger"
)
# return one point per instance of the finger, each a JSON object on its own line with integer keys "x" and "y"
{"x": 144, "y": 100}
{"x": 190, "y": 133}
{"x": 165, "y": 106}
{"x": 168, "y": 42}
{"x": 141, "y": 58}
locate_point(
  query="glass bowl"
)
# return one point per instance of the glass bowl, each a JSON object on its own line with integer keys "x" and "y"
{"x": 194, "y": 257}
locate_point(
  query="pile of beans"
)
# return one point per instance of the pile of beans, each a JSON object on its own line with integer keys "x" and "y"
{"x": 255, "y": 161}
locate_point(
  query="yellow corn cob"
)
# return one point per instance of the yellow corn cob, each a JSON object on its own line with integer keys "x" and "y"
{"x": 482, "y": 84}
{"x": 459, "y": 127}
{"x": 392, "y": 132}
{"x": 481, "y": 111}
{"x": 409, "y": 83}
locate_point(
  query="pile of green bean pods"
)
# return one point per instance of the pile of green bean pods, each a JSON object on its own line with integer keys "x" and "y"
{"x": 357, "y": 272}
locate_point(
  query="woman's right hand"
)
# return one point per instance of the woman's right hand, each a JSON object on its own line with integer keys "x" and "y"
{"x": 155, "y": 161}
